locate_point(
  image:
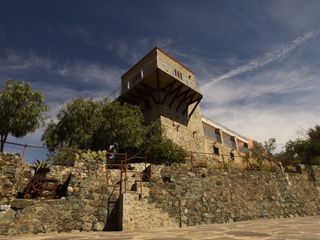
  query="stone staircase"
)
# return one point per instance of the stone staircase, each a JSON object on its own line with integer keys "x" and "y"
{"x": 129, "y": 207}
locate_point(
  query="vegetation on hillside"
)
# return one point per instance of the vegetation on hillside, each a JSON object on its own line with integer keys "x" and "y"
{"x": 303, "y": 150}
{"x": 160, "y": 149}
{"x": 98, "y": 124}
{"x": 299, "y": 151}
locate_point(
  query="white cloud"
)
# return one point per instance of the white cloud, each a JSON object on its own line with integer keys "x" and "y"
{"x": 74, "y": 76}
{"x": 261, "y": 124}
{"x": 279, "y": 100}
{"x": 18, "y": 62}
{"x": 91, "y": 72}
{"x": 261, "y": 61}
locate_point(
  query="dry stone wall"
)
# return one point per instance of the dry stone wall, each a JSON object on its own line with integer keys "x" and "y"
{"x": 207, "y": 196}
{"x": 219, "y": 196}
{"x": 85, "y": 208}
{"x": 13, "y": 175}
{"x": 138, "y": 214}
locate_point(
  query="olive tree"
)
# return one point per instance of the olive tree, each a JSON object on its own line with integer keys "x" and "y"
{"x": 22, "y": 110}
{"x": 95, "y": 124}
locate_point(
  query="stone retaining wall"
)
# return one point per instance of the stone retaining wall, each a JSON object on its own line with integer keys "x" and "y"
{"x": 207, "y": 196}
{"x": 138, "y": 213}
{"x": 85, "y": 208}
{"x": 219, "y": 196}
{"x": 13, "y": 175}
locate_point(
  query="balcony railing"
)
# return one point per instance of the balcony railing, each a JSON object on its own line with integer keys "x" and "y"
{"x": 115, "y": 94}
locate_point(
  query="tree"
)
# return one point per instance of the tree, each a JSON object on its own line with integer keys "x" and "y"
{"x": 77, "y": 123}
{"x": 121, "y": 124}
{"x": 262, "y": 152}
{"x": 22, "y": 110}
{"x": 95, "y": 124}
{"x": 306, "y": 151}
{"x": 314, "y": 134}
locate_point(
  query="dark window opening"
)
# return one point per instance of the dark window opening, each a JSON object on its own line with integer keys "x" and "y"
{"x": 216, "y": 150}
{"x": 232, "y": 155}
{"x": 177, "y": 73}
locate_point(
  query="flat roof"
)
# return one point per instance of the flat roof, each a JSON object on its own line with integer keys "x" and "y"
{"x": 152, "y": 51}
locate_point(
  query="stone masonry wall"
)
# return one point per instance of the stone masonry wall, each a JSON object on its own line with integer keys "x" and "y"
{"x": 85, "y": 208}
{"x": 12, "y": 176}
{"x": 207, "y": 196}
{"x": 189, "y": 137}
{"x": 219, "y": 196}
{"x": 138, "y": 214}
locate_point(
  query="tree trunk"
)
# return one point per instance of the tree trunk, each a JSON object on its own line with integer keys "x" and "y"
{"x": 1, "y": 145}
{"x": 3, "y": 140}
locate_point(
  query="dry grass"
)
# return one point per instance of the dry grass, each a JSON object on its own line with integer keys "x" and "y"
{"x": 238, "y": 165}
{"x": 201, "y": 164}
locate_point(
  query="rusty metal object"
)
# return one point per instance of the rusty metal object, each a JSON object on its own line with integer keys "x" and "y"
{"x": 39, "y": 186}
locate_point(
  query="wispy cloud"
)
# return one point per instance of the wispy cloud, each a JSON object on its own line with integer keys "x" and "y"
{"x": 78, "y": 32}
{"x": 14, "y": 61}
{"x": 69, "y": 74}
{"x": 60, "y": 82}
{"x": 277, "y": 100}
{"x": 266, "y": 59}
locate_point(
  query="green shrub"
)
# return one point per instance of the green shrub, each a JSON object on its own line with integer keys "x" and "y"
{"x": 165, "y": 152}
{"x": 161, "y": 150}
{"x": 63, "y": 158}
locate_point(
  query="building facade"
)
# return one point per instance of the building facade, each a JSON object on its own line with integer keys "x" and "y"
{"x": 167, "y": 91}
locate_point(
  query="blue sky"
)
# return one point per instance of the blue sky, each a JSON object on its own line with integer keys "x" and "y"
{"x": 258, "y": 62}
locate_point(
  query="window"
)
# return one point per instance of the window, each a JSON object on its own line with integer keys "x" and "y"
{"x": 243, "y": 147}
{"x": 229, "y": 141}
{"x": 136, "y": 78}
{"x": 211, "y": 132}
{"x": 218, "y": 135}
{"x": 233, "y": 142}
{"x": 216, "y": 150}
{"x": 177, "y": 73}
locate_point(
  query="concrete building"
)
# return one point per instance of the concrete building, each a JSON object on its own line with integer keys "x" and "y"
{"x": 167, "y": 91}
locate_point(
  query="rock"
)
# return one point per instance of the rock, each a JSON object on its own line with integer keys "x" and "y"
{"x": 19, "y": 203}
{"x": 7, "y": 217}
{"x": 4, "y": 207}
{"x": 98, "y": 226}
{"x": 86, "y": 226}
{"x": 69, "y": 225}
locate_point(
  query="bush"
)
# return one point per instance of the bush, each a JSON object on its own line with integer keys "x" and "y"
{"x": 161, "y": 150}
{"x": 305, "y": 151}
{"x": 165, "y": 152}
{"x": 62, "y": 158}
{"x": 201, "y": 164}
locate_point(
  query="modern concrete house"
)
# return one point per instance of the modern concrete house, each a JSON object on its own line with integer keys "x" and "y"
{"x": 167, "y": 91}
